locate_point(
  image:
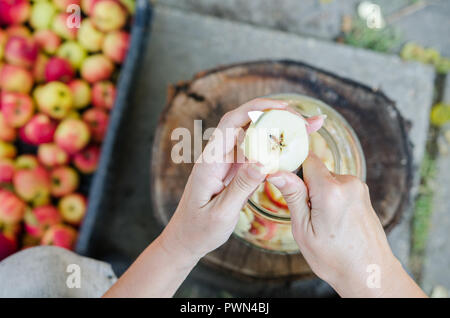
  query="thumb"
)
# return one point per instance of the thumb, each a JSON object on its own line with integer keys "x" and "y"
{"x": 244, "y": 183}
{"x": 295, "y": 193}
{"x": 315, "y": 173}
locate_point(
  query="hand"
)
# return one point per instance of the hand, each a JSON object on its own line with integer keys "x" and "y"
{"x": 339, "y": 234}
{"x": 207, "y": 213}
{"x": 216, "y": 192}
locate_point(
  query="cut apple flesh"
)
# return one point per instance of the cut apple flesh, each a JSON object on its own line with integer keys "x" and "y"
{"x": 320, "y": 148}
{"x": 277, "y": 139}
{"x": 275, "y": 195}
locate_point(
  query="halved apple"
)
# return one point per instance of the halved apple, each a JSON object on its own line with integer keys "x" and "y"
{"x": 275, "y": 195}
{"x": 277, "y": 139}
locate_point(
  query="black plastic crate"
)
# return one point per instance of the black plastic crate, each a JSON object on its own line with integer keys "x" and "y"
{"x": 98, "y": 185}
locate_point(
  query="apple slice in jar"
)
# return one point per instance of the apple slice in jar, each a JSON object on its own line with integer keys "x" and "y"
{"x": 263, "y": 229}
{"x": 320, "y": 148}
{"x": 275, "y": 195}
{"x": 267, "y": 207}
{"x": 277, "y": 139}
{"x": 246, "y": 218}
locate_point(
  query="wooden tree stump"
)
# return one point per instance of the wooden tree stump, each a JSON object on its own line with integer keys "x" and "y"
{"x": 375, "y": 119}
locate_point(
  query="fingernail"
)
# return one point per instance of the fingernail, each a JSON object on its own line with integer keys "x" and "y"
{"x": 323, "y": 116}
{"x": 254, "y": 171}
{"x": 279, "y": 182}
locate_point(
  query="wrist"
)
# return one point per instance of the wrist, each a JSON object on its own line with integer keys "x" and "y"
{"x": 176, "y": 250}
{"x": 371, "y": 279}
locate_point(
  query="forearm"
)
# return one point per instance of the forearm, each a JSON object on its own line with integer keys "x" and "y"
{"x": 394, "y": 282}
{"x": 400, "y": 285}
{"x": 157, "y": 272}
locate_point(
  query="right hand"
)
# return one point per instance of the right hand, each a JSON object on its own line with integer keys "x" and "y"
{"x": 337, "y": 230}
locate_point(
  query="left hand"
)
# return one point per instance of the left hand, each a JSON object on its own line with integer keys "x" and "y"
{"x": 216, "y": 192}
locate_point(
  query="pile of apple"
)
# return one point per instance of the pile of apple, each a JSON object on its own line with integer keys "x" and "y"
{"x": 56, "y": 94}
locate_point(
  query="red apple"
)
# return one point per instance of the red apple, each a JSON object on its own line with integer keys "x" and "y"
{"x": 65, "y": 181}
{"x": 7, "y": 150}
{"x": 73, "y": 114}
{"x": 87, "y": 5}
{"x": 130, "y": 5}
{"x": 97, "y": 120}
{"x": 96, "y": 68}
{"x": 12, "y": 230}
{"x": 81, "y": 93}
{"x": 3, "y": 40}
{"x": 7, "y": 133}
{"x": 47, "y": 40}
{"x": 54, "y": 99}
{"x": 21, "y": 51}
{"x": 18, "y": 30}
{"x": 51, "y": 155}
{"x": 89, "y": 37}
{"x": 73, "y": 208}
{"x": 8, "y": 246}
{"x": 15, "y": 79}
{"x": 26, "y": 161}
{"x": 103, "y": 94}
{"x": 108, "y": 15}
{"x": 61, "y": 27}
{"x": 23, "y": 137}
{"x": 29, "y": 241}
{"x": 58, "y": 69}
{"x": 63, "y": 4}
{"x": 6, "y": 170}
{"x": 39, "y": 219}
{"x": 87, "y": 160}
{"x": 33, "y": 185}
{"x": 17, "y": 108}
{"x": 39, "y": 130}
{"x": 72, "y": 135}
{"x": 73, "y": 52}
{"x": 42, "y": 13}
{"x": 12, "y": 208}
{"x": 14, "y": 11}
{"x": 115, "y": 45}
{"x": 60, "y": 235}
{"x": 39, "y": 68}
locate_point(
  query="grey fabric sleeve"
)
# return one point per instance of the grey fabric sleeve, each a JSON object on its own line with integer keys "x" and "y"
{"x": 47, "y": 271}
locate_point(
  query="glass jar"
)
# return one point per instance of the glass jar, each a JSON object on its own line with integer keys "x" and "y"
{"x": 265, "y": 220}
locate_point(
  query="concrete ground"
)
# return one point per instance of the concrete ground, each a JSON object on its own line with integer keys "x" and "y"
{"x": 423, "y": 21}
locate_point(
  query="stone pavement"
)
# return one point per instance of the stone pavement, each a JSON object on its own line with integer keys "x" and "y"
{"x": 316, "y": 18}
{"x": 322, "y": 19}
{"x": 183, "y": 43}
{"x": 436, "y": 270}
{"x": 429, "y": 27}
